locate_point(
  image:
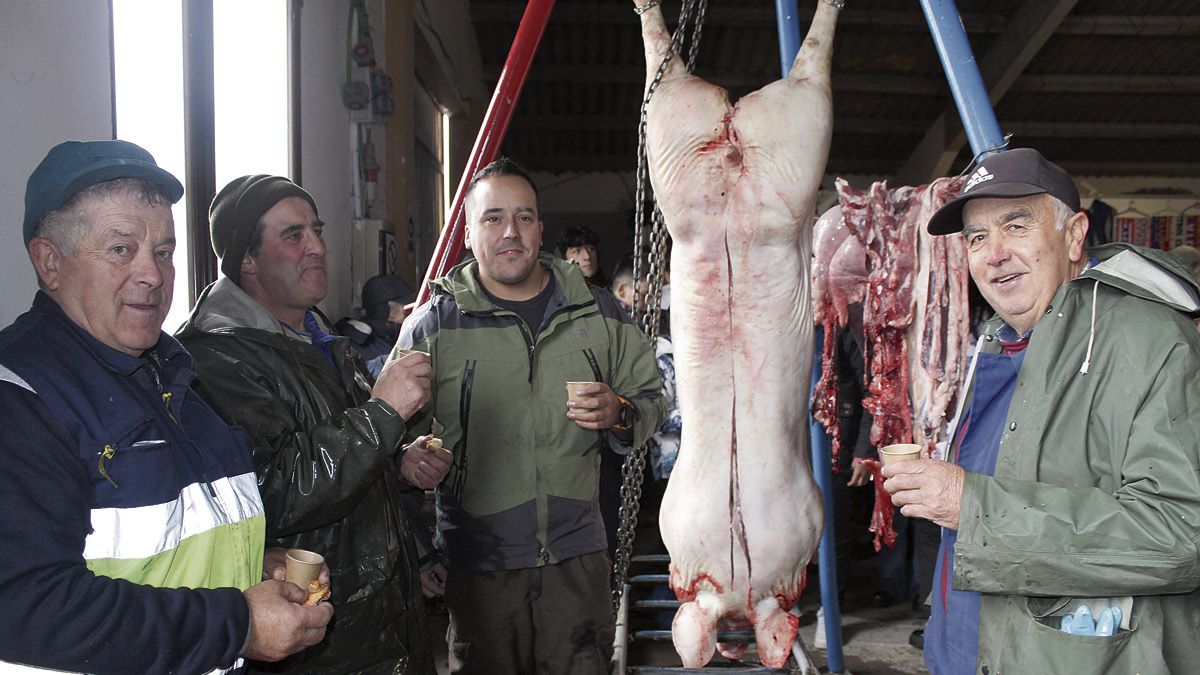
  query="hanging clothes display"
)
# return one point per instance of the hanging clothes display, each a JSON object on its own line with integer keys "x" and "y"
{"x": 1162, "y": 226}
{"x": 1100, "y": 223}
{"x": 1132, "y": 226}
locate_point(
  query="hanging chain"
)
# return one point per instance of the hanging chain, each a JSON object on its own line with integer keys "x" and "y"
{"x": 655, "y": 238}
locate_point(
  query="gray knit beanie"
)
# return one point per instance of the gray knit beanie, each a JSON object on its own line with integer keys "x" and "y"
{"x": 235, "y": 212}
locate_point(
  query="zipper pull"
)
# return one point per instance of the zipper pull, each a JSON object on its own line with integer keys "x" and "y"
{"x": 106, "y": 454}
{"x": 167, "y": 404}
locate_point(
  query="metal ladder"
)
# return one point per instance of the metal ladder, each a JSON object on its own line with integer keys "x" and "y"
{"x": 631, "y": 604}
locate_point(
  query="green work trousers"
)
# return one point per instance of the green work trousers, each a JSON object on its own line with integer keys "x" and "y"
{"x": 546, "y": 620}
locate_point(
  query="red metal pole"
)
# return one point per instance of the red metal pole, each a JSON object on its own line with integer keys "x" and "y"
{"x": 491, "y": 133}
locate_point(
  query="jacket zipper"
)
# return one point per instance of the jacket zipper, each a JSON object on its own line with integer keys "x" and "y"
{"x": 464, "y": 419}
{"x": 166, "y": 399}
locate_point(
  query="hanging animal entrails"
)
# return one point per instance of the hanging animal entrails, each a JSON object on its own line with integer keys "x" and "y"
{"x": 737, "y": 186}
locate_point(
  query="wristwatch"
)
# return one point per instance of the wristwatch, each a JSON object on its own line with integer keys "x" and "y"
{"x": 625, "y": 416}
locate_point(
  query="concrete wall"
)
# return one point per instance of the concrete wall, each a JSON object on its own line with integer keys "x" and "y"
{"x": 326, "y": 136}
{"x": 55, "y": 84}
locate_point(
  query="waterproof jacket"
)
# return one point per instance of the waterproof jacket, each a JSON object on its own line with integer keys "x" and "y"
{"x": 1096, "y": 493}
{"x": 131, "y": 518}
{"x": 523, "y": 489}
{"x": 323, "y": 451}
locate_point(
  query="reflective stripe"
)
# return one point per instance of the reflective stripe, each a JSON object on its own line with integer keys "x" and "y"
{"x": 7, "y": 375}
{"x": 6, "y": 667}
{"x": 145, "y": 531}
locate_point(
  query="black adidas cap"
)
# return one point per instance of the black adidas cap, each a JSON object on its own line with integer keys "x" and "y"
{"x": 1014, "y": 173}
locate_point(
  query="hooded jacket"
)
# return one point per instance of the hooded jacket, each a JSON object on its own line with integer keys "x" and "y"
{"x": 523, "y": 489}
{"x": 323, "y": 452}
{"x": 1096, "y": 493}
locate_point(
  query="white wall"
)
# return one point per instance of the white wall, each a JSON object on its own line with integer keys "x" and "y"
{"x": 55, "y": 85}
{"x": 328, "y": 169}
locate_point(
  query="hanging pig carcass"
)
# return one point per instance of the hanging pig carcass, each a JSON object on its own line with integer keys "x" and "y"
{"x": 737, "y": 184}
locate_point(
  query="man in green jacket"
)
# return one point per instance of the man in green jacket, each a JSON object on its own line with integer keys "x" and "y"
{"x": 1070, "y": 505}
{"x": 519, "y": 524}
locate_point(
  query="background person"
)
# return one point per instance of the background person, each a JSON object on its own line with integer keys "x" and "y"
{"x": 518, "y": 522}
{"x": 324, "y": 439}
{"x": 132, "y": 537}
{"x": 1073, "y": 475}
{"x": 579, "y": 245}
{"x": 374, "y": 334}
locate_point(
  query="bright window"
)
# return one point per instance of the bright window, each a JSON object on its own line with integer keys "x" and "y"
{"x": 250, "y": 76}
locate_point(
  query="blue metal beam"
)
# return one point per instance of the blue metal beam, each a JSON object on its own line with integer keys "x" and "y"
{"x": 789, "y": 44}
{"x": 962, "y": 74}
{"x": 789, "y": 33}
{"x": 822, "y": 465}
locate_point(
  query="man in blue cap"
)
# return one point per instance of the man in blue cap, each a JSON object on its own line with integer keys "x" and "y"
{"x": 1070, "y": 506}
{"x": 132, "y": 536}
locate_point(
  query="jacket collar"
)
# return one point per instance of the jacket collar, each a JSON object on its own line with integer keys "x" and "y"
{"x": 463, "y": 283}
{"x": 224, "y": 306}
{"x": 170, "y": 353}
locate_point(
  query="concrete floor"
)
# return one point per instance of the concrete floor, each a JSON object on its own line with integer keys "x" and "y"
{"x": 875, "y": 640}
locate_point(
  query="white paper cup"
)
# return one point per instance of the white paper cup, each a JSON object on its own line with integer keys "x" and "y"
{"x": 303, "y": 566}
{"x": 900, "y": 452}
{"x": 573, "y": 390}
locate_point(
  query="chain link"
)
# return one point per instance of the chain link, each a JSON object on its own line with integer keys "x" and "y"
{"x": 654, "y": 239}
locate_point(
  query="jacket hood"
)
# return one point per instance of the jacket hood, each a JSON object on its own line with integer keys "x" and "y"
{"x": 1146, "y": 273}
{"x": 224, "y": 305}
{"x": 463, "y": 283}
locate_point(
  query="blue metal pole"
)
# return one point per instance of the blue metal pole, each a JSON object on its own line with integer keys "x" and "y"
{"x": 962, "y": 74}
{"x": 789, "y": 44}
{"x": 789, "y": 33}
{"x": 827, "y": 554}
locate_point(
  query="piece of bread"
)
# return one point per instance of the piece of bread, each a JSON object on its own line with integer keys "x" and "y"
{"x": 316, "y": 592}
{"x": 433, "y": 444}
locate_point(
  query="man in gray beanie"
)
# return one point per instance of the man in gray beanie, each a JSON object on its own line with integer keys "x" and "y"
{"x": 325, "y": 441}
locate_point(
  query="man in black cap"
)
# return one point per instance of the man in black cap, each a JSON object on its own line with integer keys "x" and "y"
{"x": 1070, "y": 504}
{"x": 132, "y": 536}
{"x": 373, "y": 336}
{"x": 325, "y": 439}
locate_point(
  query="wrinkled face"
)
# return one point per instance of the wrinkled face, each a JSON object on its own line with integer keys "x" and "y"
{"x": 585, "y": 257}
{"x": 289, "y": 270}
{"x": 117, "y": 284}
{"x": 1017, "y": 255}
{"x": 503, "y": 231}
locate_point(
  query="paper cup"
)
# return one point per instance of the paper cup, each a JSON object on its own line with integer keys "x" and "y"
{"x": 573, "y": 390}
{"x": 303, "y": 566}
{"x": 901, "y": 452}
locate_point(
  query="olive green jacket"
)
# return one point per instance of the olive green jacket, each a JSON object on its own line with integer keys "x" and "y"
{"x": 1096, "y": 493}
{"x": 524, "y": 485}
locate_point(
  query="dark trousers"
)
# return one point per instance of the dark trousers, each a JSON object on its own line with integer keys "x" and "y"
{"x": 545, "y": 620}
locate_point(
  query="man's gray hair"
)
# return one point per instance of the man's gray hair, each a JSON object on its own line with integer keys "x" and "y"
{"x": 67, "y": 224}
{"x": 1062, "y": 212}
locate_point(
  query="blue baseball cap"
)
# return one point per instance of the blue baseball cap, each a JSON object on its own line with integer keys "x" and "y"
{"x": 74, "y": 166}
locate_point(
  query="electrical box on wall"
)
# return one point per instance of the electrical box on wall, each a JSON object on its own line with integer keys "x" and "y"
{"x": 368, "y": 95}
{"x": 372, "y": 252}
